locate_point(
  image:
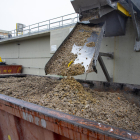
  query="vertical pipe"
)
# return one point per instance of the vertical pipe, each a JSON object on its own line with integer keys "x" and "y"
{"x": 3, "y": 34}
{"x": 62, "y": 21}
{"x": 49, "y": 24}
{"x": 8, "y": 34}
{"x": 16, "y": 30}
{"x": 29, "y": 29}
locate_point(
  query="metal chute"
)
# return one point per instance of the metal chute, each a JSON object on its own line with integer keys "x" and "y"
{"x": 111, "y": 16}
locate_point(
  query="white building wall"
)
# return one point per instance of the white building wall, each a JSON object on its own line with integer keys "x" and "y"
{"x": 32, "y": 54}
{"x": 58, "y": 36}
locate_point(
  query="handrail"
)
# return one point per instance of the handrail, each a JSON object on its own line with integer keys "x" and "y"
{"x": 36, "y": 27}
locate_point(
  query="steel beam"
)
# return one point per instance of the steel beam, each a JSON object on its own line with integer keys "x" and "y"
{"x": 109, "y": 79}
{"x": 111, "y": 55}
{"x": 134, "y": 21}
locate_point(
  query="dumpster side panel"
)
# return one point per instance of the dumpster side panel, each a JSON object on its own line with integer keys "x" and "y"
{"x": 7, "y": 126}
{"x": 18, "y": 129}
{"x": 29, "y": 131}
{"x": 32, "y": 122}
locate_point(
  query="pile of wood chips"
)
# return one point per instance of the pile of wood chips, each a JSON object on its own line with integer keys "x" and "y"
{"x": 71, "y": 97}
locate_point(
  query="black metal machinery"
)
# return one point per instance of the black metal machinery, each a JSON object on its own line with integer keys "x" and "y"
{"x": 114, "y": 13}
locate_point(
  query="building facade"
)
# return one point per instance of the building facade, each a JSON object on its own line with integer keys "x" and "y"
{"x": 34, "y": 51}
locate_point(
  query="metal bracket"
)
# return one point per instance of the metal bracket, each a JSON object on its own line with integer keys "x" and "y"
{"x": 111, "y": 55}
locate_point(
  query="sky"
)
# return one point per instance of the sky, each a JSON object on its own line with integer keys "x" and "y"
{"x": 31, "y": 11}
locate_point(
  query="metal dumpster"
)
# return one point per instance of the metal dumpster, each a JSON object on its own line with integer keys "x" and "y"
{"x": 20, "y": 120}
{"x": 8, "y": 69}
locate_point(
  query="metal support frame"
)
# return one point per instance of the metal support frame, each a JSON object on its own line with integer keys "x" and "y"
{"x": 101, "y": 62}
{"x": 134, "y": 21}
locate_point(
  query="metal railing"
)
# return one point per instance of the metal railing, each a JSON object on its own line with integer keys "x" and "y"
{"x": 42, "y": 26}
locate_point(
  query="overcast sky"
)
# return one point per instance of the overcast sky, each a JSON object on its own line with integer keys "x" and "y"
{"x": 31, "y": 11}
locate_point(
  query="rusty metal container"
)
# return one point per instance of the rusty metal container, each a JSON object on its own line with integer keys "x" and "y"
{"x": 20, "y": 120}
{"x": 9, "y": 69}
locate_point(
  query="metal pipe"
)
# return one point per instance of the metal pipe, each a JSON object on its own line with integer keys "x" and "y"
{"x": 62, "y": 21}
{"x": 49, "y": 24}
{"x": 63, "y": 16}
{"x": 29, "y": 29}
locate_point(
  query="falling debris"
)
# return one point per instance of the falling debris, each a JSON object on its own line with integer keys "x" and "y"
{"x": 91, "y": 44}
{"x": 74, "y": 69}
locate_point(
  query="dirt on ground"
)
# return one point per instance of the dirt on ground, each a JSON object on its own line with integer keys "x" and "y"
{"x": 71, "y": 97}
